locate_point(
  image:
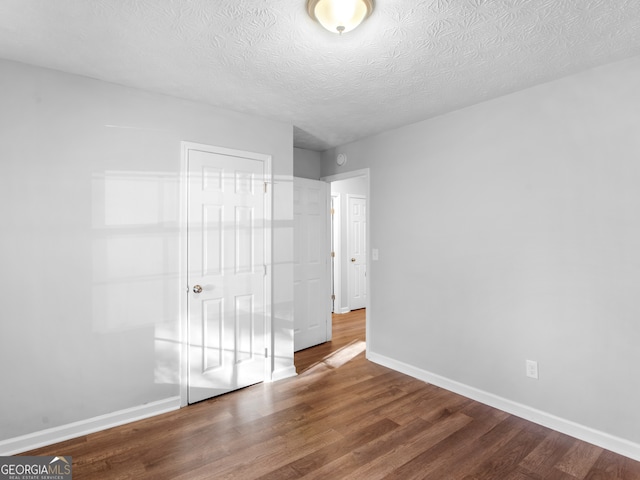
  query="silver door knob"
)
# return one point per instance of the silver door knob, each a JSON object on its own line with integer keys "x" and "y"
{"x": 353, "y": 259}
{"x": 197, "y": 289}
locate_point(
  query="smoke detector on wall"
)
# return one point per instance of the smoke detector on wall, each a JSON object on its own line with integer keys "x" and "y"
{"x": 341, "y": 159}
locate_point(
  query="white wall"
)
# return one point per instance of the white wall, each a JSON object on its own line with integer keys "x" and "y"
{"x": 510, "y": 230}
{"x": 89, "y": 251}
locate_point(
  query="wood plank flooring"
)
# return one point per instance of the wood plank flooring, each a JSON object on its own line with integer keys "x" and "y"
{"x": 341, "y": 417}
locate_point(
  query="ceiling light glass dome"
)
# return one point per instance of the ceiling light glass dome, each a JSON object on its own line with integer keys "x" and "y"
{"x": 339, "y": 16}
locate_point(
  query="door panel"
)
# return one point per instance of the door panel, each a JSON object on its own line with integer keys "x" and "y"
{"x": 226, "y": 258}
{"x": 357, "y": 261}
{"x": 312, "y": 304}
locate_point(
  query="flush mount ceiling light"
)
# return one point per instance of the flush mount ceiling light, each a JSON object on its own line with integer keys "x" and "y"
{"x": 339, "y": 16}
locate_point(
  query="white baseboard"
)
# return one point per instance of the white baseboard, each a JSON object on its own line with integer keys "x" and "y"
{"x": 587, "y": 434}
{"x": 50, "y": 436}
{"x": 284, "y": 373}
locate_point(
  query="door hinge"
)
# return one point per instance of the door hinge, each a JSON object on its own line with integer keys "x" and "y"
{"x": 265, "y": 187}
{"x": 266, "y": 352}
{"x": 333, "y": 297}
{"x": 265, "y": 270}
{"x": 333, "y": 254}
{"x": 333, "y": 211}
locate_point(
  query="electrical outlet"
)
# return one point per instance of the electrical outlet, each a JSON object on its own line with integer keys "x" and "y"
{"x": 532, "y": 369}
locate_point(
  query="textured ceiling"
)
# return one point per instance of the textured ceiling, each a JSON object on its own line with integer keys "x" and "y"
{"x": 409, "y": 61}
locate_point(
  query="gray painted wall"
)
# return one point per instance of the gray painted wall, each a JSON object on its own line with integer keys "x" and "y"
{"x": 89, "y": 242}
{"x": 306, "y": 163}
{"x": 510, "y": 230}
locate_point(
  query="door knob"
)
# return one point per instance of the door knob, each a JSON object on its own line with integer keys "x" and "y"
{"x": 353, "y": 259}
{"x": 197, "y": 289}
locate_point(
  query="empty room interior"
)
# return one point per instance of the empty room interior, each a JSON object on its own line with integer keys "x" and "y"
{"x": 194, "y": 194}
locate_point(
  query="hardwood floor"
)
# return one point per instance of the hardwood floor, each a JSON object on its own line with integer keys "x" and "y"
{"x": 341, "y": 417}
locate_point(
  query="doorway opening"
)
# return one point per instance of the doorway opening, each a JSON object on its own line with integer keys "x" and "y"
{"x": 339, "y": 291}
{"x": 350, "y": 233}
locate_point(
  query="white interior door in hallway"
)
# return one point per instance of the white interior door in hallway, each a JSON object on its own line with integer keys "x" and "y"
{"x": 357, "y": 251}
{"x": 311, "y": 277}
{"x": 227, "y": 258}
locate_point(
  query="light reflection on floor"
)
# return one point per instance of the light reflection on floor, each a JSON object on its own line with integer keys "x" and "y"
{"x": 339, "y": 357}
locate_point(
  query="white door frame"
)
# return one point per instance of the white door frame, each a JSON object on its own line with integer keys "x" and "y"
{"x": 364, "y": 173}
{"x": 183, "y": 265}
